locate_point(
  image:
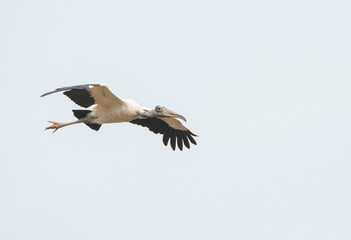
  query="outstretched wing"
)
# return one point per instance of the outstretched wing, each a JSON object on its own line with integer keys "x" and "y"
{"x": 89, "y": 94}
{"x": 171, "y": 129}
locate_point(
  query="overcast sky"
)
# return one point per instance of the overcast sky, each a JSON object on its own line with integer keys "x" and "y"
{"x": 265, "y": 84}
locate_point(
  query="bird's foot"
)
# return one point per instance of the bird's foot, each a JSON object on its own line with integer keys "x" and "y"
{"x": 55, "y": 126}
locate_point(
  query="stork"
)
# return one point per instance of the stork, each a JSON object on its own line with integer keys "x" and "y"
{"x": 111, "y": 109}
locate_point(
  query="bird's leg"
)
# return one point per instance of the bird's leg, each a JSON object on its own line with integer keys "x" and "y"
{"x": 56, "y": 125}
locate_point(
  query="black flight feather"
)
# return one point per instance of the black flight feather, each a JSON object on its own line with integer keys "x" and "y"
{"x": 82, "y": 114}
{"x": 175, "y": 136}
{"x": 82, "y": 97}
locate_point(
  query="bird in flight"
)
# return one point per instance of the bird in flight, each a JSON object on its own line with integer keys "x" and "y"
{"x": 111, "y": 109}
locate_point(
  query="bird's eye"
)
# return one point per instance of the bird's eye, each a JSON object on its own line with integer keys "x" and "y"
{"x": 158, "y": 108}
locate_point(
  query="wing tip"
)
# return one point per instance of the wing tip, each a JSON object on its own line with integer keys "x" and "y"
{"x": 81, "y": 86}
{"x": 48, "y": 93}
{"x": 193, "y": 134}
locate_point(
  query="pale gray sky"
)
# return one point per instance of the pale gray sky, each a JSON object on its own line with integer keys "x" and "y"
{"x": 265, "y": 84}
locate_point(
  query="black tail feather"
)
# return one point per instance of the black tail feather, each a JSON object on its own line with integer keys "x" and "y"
{"x": 82, "y": 114}
{"x": 94, "y": 126}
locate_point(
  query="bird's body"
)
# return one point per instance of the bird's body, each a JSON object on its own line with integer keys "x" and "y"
{"x": 124, "y": 112}
{"x": 111, "y": 109}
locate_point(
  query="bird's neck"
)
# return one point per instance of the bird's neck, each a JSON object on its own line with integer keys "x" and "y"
{"x": 148, "y": 114}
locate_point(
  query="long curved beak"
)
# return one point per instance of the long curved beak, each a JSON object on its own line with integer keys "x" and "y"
{"x": 169, "y": 113}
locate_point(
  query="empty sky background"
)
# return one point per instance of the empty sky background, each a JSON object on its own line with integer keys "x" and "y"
{"x": 265, "y": 84}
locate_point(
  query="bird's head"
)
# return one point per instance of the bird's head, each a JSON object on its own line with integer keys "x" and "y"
{"x": 164, "y": 112}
